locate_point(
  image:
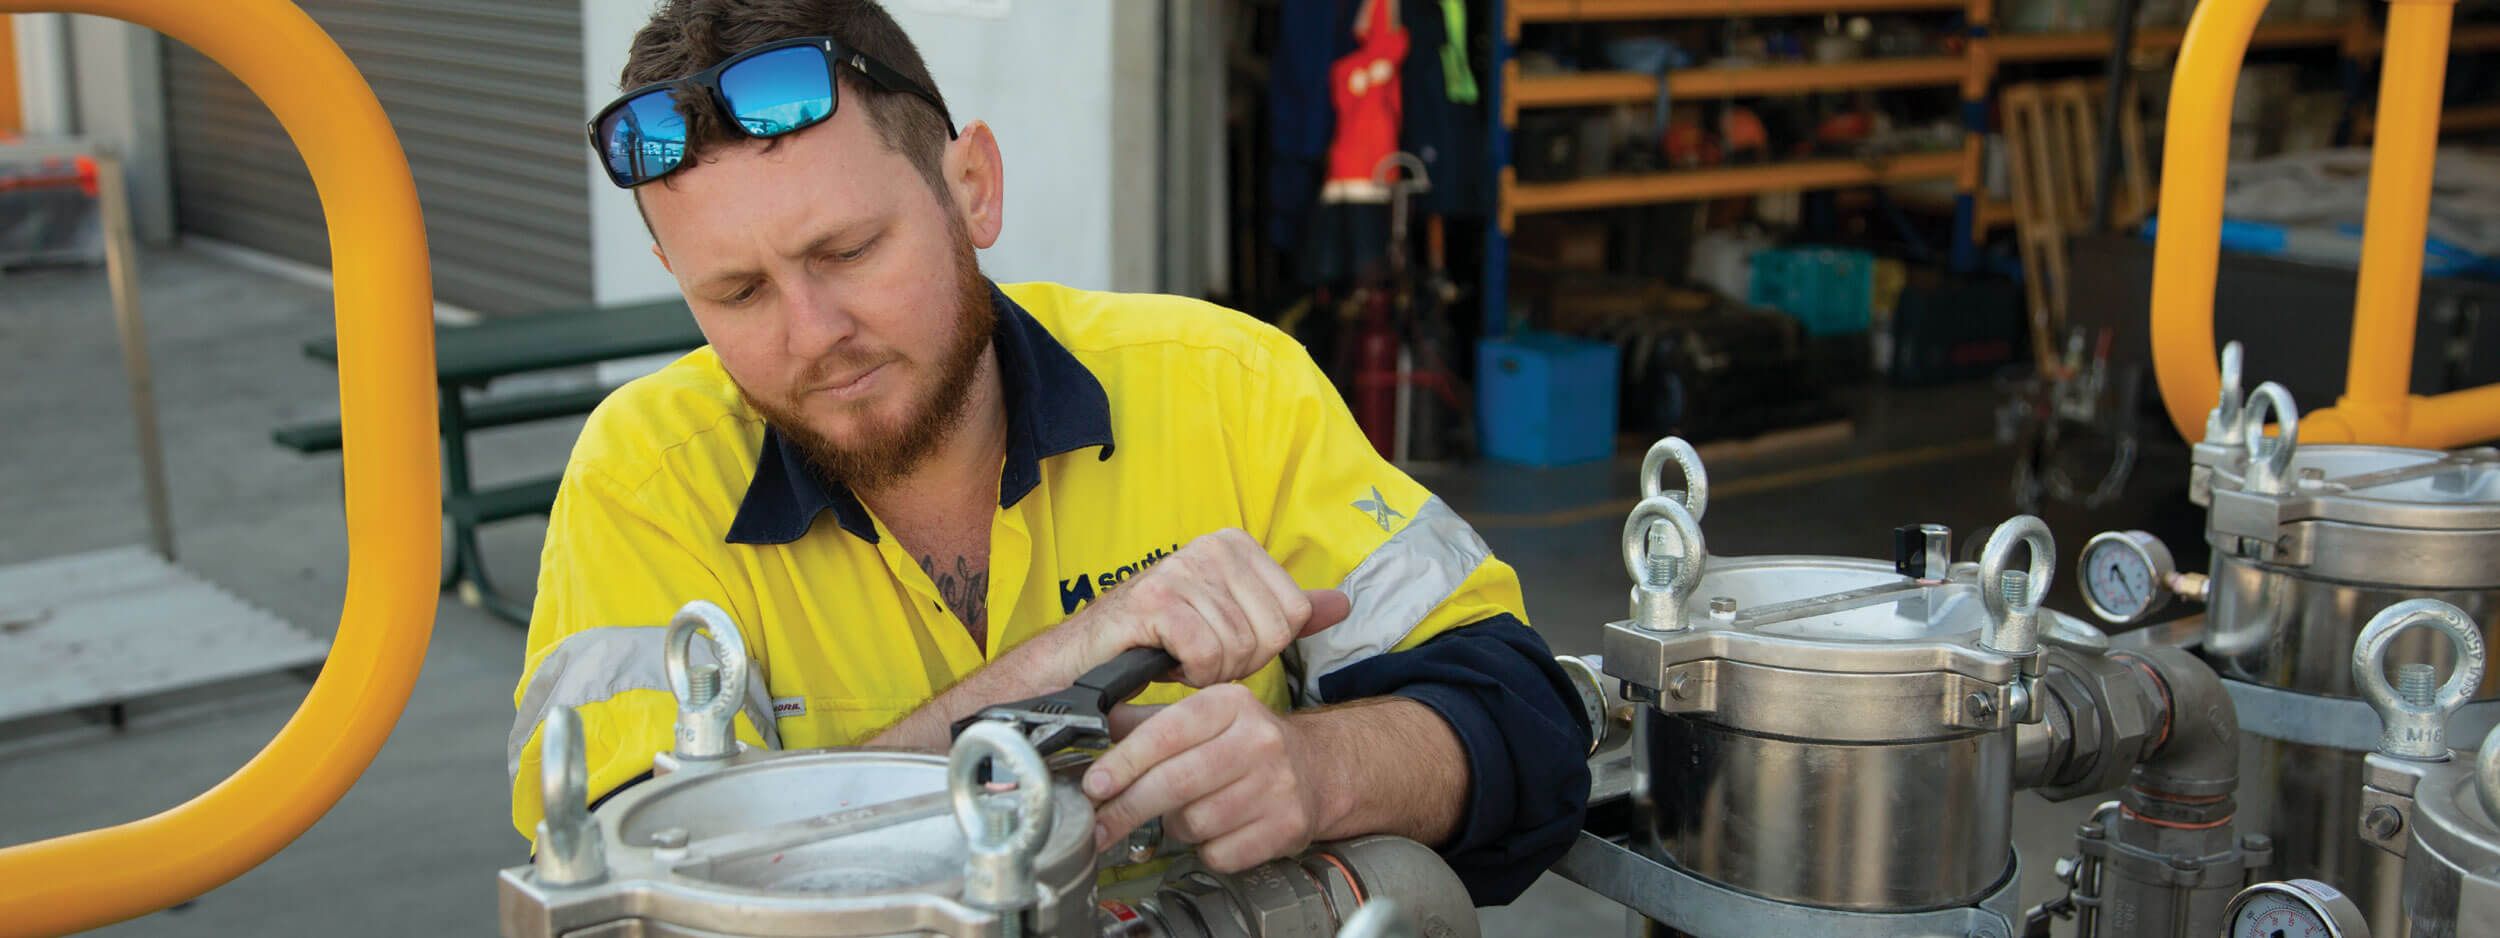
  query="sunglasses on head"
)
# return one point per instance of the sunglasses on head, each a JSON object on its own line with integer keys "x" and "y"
{"x": 767, "y": 91}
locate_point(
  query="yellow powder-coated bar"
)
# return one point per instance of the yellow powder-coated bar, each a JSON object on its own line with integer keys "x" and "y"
{"x": 2377, "y": 406}
{"x": 2196, "y": 149}
{"x": 393, "y": 491}
{"x": 2379, "y": 380}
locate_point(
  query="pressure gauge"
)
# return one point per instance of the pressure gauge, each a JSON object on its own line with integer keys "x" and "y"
{"x": 2299, "y": 908}
{"x": 2126, "y": 575}
{"x": 1589, "y": 678}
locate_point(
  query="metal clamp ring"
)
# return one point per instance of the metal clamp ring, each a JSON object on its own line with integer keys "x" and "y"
{"x": 2487, "y": 774}
{"x": 2223, "y": 425}
{"x": 2014, "y": 629}
{"x": 1696, "y": 481}
{"x": 2410, "y": 730}
{"x": 990, "y": 739}
{"x": 2269, "y": 466}
{"x": 1658, "y": 601}
{"x": 705, "y": 730}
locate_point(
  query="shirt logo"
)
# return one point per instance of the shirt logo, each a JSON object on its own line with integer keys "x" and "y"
{"x": 1075, "y": 593}
{"x": 1378, "y": 508}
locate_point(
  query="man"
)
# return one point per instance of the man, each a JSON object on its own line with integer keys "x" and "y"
{"x": 985, "y": 542}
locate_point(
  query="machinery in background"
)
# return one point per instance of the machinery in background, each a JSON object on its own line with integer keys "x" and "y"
{"x": 990, "y": 841}
{"x": 2431, "y": 806}
{"x": 2437, "y": 808}
{"x": 2308, "y": 543}
{"x": 1831, "y": 745}
{"x": 2073, "y": 421}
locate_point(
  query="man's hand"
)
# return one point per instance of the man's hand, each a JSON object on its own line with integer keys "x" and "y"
{"x": 1220, "y": 605}
{"x": 1223, "y": 770}
{"x": 1249, "y": 785}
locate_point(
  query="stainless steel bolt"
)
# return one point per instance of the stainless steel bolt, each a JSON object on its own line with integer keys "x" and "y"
{"x": 670, "y": 838}
{"x": 2312, "y": 474}
{"x": 998, "y": 820}
{"x": 1979, "y": 706}
{"x": 2186, "y": 864}
{"x": 1663, "y": 543}
{"x": 2257, "y": 843}
{"x": 1679, "y": 686}
{"x": 1723, "y": 608}
{"x": 2384, "y": 822}
{"x": 2092, "y": 830}
{"x": 2066, "y": 869}
{"x": 2418, "y": 684}
{"x": 2015, "y": 586}
{"x": 702, "y": 684}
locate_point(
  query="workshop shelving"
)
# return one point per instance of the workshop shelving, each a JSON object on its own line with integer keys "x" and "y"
{"x": 1973, "y": 69}
{"x": 1597, "y": 88}
{"x": 2478, "y": 117}
{"x": 1720, "y": 181}
{"x": 2469, "y": 38}
{"x": 2052, "y": 47}
{"x": 1572, "y": 11}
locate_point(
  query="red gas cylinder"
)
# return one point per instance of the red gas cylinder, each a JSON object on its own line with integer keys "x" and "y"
{"x": 1376, "y": 375}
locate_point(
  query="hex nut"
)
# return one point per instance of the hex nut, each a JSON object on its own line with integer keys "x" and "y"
{"x": 2383, "y": 822}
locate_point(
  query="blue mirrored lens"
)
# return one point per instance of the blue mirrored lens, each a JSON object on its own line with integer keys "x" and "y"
{"x": 644, "y": 138}
{"x": 779, "y": 91}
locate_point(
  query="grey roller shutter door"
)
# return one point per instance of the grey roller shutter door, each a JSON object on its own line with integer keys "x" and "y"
{"x": 487, "y": 98}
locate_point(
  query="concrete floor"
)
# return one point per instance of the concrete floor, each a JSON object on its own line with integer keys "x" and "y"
{"x": 412, "y": 849}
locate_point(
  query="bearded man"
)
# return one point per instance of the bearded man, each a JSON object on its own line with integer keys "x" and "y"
{"x": 920, "y": 493}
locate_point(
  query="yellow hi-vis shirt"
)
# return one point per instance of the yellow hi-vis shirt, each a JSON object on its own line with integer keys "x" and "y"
{"x": 1135, "y": 424}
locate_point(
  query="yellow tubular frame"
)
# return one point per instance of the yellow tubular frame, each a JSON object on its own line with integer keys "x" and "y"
{"x": 2377, "y": 406}
{"x": 393, "y": 482}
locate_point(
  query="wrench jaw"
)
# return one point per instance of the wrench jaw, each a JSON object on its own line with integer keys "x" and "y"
{"x": 1049, "y": 733}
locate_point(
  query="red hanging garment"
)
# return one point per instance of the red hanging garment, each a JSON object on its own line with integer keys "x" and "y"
{"x": 1365, "y": 84}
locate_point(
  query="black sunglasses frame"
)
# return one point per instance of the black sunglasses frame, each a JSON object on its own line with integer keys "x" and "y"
{"x": 835, "y": 54}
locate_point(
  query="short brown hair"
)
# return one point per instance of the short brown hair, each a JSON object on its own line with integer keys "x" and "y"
{"x": 688, "y": 36}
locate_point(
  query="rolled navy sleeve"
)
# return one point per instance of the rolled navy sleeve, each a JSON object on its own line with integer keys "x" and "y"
{"x": 1526, "y": 740}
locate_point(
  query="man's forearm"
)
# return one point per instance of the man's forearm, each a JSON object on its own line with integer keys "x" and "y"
{"x": 1387, "y": 765}
{"x": 1035, "y": 668}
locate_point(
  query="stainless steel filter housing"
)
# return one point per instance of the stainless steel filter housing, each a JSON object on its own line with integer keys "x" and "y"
{"x": 724, "y": 840}
{"x": 811, "y": 843}
{"x": 2308, "y": 543}
{"x": 2436, "y": 808}
{"x": 1826, "y": 731}
{"x": 2452, "y": 864}
{"x": 806, "y": 843}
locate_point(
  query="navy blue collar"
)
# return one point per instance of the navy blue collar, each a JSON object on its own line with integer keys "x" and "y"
{"x": 1053, "y": 404}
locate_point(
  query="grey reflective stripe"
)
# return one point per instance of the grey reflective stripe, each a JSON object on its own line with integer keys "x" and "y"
{"x": 595, "y": 664}
{"x": 1403, "y": 580}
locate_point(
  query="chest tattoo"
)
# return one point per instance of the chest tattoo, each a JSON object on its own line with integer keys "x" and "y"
{"x": 965, "y": 590}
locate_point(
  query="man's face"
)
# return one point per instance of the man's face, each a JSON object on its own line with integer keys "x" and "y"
{"x": 841, "y": 293}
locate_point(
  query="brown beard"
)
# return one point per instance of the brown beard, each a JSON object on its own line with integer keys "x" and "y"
{"x": 885, "y": 454}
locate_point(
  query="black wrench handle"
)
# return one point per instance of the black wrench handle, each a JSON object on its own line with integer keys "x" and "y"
{"x": 1122, "y": 677}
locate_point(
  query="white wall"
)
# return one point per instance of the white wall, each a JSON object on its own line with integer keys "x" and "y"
{"x": 1066, "y": 85}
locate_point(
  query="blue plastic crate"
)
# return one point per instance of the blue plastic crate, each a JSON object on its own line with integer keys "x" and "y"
{"x": 1546, "y": 400}
{"x": 1830, "y": 291}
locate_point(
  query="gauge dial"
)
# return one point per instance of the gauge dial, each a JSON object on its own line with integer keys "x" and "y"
{"x": 2125, "y": 575}
{"x": 2300, "y": 908}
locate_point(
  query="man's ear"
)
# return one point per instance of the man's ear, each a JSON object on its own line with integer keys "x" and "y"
{"x": 663, "y": 256}
{"x": 976, "y": 179}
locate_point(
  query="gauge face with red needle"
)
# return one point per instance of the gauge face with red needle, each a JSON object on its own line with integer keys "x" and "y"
{"x": 2125, "y": 575}
{"x": 2299, "y": 908}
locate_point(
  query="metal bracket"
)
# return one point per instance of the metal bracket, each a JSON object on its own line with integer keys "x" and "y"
{"x": 1688, "y": 903}
{"x": 2334, "y": 722}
